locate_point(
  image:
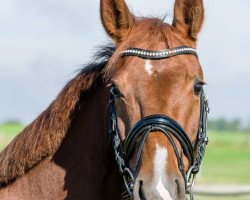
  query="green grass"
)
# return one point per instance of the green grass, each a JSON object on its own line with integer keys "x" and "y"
{"x": 243, "y": 197}
{"x": 8, "y": 132}
{"x": 227, "y": 159}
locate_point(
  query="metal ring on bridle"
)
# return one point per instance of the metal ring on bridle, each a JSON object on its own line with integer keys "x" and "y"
{"x": 190, "y": 179}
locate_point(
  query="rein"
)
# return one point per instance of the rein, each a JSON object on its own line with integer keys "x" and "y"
{"x": 137, "y": 135}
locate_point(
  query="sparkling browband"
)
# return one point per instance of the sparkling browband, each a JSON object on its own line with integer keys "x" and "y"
{"x": 162, "y": 54}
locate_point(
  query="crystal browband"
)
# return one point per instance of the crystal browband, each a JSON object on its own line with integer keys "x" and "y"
{"x": 162, "y": 54}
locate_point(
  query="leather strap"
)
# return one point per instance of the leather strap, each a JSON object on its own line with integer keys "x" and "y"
{"x": 155, "y": 123}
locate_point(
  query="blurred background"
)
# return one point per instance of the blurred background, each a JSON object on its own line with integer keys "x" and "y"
{"x": 43, "y": 44}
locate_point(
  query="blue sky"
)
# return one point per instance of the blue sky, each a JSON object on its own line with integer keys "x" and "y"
{"x": 44, "y": 42}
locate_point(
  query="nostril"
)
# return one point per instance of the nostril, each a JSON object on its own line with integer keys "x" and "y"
{"x": 177, "y": 188}
{"x": 180, "y": 189}
{"x": 141, "y": 193}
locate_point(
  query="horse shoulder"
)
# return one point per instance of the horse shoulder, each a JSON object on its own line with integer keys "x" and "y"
{"x": 44, "y": 181}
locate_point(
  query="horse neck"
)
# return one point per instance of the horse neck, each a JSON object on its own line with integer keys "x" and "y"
{"x": 85, "y": 154}
{"x": 88, "y": 132}
{"x": 83, "y": 167}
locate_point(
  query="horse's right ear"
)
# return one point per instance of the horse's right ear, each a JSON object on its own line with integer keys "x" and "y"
{"x": 189, "y": 17}
{"x": 116, "y": 19}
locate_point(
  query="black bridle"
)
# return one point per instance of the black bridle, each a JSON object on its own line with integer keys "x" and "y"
{"x": 136, "y": 137}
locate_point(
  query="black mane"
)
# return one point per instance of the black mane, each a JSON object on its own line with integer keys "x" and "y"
{"x": 99, "y": 59}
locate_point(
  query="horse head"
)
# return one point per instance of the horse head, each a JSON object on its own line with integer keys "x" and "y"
{"x": 157, "y": 101}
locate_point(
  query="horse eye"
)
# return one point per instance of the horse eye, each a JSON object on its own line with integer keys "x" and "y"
{"x": 198, "y": 88}
{"x": 115, "y": 91}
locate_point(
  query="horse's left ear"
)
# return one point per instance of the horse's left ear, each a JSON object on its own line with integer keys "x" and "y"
{"x": 188, "y": 17}
{"x": 116, "y": 19}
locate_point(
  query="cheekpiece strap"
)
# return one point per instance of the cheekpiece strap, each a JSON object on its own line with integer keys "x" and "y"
{"x": 161, "y": 54}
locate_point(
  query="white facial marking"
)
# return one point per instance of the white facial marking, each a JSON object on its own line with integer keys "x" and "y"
{"x": 148, "y": 67}
{"x": 163, "y": 191}
{"x": 160, "y": 162}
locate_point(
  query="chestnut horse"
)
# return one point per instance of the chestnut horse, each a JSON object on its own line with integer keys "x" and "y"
{"x": 140, "y": 105}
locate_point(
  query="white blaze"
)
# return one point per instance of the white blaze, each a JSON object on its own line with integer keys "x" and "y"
{"x": 148, "y": 67}
{"x": 160, "y": 162}
{"x": 163, "y": 191}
